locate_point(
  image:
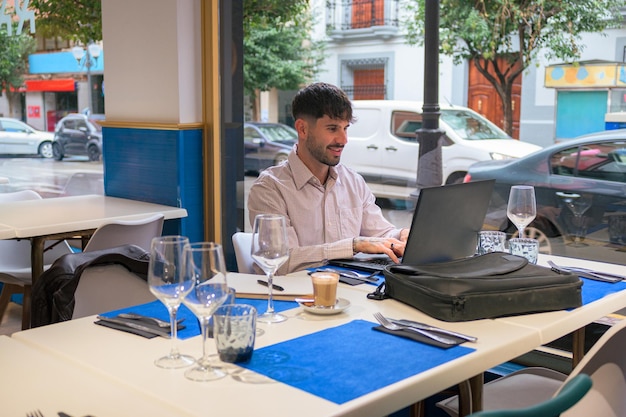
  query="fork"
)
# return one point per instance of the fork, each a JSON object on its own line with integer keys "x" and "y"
{"x": 391, "y": 326}
{"x": 35, "y": 413}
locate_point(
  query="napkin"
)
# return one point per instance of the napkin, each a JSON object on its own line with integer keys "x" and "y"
{"x": 407, "y": 334}
{"x": 127, "y": 329}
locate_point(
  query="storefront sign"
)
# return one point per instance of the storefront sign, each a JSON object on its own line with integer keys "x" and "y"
{"x": 34, "y": 112}
{"x": 20, "y": 14}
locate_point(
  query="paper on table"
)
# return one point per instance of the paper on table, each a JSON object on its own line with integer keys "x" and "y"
{"x": 294, "y": 286}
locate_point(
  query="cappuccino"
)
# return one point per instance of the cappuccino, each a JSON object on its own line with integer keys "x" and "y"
{"x": 325, "y": 289}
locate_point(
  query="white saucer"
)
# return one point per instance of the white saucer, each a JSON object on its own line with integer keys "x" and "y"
{"x": 341, "y": 305}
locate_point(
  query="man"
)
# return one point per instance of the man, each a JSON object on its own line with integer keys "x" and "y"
{"x": 331, "y": 212}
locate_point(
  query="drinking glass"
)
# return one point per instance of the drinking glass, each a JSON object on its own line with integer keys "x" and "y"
{"x": 205, "y": 265}
{"x": 578, "y": 204}
{"x": 270, "y": 249}
{"x": 522, "y": 207}
{"x": 169, "y": 284}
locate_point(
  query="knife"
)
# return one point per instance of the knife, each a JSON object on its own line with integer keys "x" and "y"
{"x": 422, "y": 326}
{"x": 136, "y": 326}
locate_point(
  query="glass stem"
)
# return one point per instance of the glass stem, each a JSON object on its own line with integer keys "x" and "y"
{"x": 521, "y": 231}
{"x": 173, "y": 332}
{"x": 204, "y": 329}
{"x": 270, "y": 297}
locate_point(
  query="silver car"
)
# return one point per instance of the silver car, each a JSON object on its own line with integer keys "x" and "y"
{"x": 18, "y": 138}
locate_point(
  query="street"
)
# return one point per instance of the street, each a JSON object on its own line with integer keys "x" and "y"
{"x": 50, "y": 178}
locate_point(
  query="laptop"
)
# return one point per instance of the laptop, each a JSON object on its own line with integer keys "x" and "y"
{"x": 445, "y": 226}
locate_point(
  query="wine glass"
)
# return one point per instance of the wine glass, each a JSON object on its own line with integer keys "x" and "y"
{"x": 169, "y": 284}
{"x": 578, "y": 204}
{"x": 270, "y": 249}
{"x": 204, "y": 263}
{"x": 522, "y": 207}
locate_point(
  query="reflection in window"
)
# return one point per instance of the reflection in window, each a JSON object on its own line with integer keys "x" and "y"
{"x": 471, "y": 126}
{"x": 601, "y": 161}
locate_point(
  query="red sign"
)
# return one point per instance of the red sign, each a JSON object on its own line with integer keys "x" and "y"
{"x": 34, "y": 111}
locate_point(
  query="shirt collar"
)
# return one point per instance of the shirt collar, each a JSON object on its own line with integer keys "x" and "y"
{"x": 303, "y": 175}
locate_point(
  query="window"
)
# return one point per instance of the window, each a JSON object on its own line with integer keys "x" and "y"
{"x": 601, "y": 161}
{"x": 404, "y": 124}
{"x": 365, "y": 79}
{"x": 367, "y": 13}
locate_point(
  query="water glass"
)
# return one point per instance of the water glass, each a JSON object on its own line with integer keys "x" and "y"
{"x": 491, "y": 241}
{"x": 526, "y": 247}
{"x": 234, "y": 331}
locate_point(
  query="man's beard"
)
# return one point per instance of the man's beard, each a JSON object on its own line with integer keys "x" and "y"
{"x": 319, "y": 152}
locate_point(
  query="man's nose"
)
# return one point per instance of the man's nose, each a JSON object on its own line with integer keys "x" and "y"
{"x": 342, "y": 137}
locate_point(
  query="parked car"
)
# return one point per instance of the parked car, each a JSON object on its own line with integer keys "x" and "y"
{"x": 19, "y": 138}
{"x": 76, "y": 134}
{"x": 382, "y": 144}
{"x": 266, "y": 144}
{"x": 580, "y": 188}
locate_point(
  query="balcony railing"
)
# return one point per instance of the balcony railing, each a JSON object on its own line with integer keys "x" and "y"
{"x": 362, "y": 18}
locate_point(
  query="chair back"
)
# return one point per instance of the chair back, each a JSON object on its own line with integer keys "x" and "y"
{"x": 571, "y": 393}
{"x": 19, "y": 196}
{"x": 126, "y": 232}
{"x": 15, "y": 254}
{"x": 605, "y": 363}
{"x": 242, "y": 243}
{"x": 103, "y": 288}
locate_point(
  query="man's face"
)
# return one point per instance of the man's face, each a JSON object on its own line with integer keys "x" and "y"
{"x": 326, "y": 138}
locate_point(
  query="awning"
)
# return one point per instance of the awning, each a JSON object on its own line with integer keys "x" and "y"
{"x": 62, "y": 84}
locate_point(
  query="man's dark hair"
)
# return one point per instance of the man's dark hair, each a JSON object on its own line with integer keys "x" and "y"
{"x": 319, "y": 99}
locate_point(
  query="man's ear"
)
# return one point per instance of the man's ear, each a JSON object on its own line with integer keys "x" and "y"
{"x": 301, "y": 127}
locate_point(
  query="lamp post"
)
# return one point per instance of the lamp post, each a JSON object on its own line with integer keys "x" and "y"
{"x": 90, "y": 56}
{"x": 429, "y": 166}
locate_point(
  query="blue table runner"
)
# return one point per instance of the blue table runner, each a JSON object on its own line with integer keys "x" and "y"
{"x": 192, "y": 326}
{"x": 594, "y": 290}
{"x": 345, "y": 362}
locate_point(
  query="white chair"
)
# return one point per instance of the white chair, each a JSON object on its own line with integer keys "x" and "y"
{"x": 243, "y": 242}
{"x": 109, "y": 287}
{"x": 605, "y": 363}
{"x": 15, "y": 264}
{"x": 126, "y": 232}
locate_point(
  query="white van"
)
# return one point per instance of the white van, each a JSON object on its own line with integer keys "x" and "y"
{"x": 382, "y": 144}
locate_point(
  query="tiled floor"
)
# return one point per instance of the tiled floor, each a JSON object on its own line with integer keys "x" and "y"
{"x": 12, "y": 320}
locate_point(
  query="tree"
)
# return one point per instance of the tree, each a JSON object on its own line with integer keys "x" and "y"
{"x": 78, "y": 20}
{"x": 14, "y": 51}
{"x": 517, "y": 30}
{"x": 278, "y": 52}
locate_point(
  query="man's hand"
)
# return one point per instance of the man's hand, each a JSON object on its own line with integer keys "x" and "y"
{"x": 392, "y": 247}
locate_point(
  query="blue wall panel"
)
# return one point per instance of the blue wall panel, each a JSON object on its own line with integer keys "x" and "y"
{"x": 158, "y": 166}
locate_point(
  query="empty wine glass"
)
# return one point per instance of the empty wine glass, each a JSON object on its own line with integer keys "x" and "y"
{"x": 578, "y": 204}
{"x": 270, "y": 249}
{"x": 522, "y": 207}
{"x": 204, "y": 263}
{"x": 169, "y": 284}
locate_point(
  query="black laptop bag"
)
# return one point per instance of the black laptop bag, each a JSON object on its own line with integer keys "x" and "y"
{"x": 486, "y": 286}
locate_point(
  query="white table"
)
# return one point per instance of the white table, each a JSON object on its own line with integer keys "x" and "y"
{"x": 555, "y": 324}
{"x": 33, "y": 380}
{"x": 127, "y": 360}
{"x": 67, "y": 217}
{"x": 6, "y": 232}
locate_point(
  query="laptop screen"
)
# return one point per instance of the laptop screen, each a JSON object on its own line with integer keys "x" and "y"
{"x": 446, "y": 222}
{"x": 445, "y": 226}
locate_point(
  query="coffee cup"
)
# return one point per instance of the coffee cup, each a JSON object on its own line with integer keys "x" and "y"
{"x": 324, "y": 289}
